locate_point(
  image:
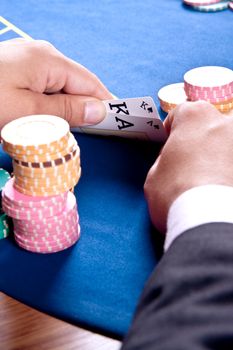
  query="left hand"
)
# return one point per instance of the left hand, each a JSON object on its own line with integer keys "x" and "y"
{"x": 38, "y": 79}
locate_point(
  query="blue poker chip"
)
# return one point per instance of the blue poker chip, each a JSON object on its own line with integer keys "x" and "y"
{"x": 220, "y": 6}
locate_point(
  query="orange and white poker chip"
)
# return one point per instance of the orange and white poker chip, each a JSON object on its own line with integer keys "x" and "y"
{"x": 35, "y": 134}
{"x": 171, "y": 95}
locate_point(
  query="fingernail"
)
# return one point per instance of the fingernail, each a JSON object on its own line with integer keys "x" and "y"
{"x": 94, "y": 112}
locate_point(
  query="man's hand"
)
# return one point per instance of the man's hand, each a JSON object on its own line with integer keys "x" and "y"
{"x": 199, "y": 151}
{"x": 37, "y": 79}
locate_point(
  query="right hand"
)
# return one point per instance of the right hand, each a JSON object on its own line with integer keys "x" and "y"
{"x": 199, "y": 151}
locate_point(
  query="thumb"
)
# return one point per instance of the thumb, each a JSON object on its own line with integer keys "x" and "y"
{"x": 76, "y": 110}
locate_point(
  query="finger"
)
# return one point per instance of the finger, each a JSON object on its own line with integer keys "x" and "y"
{"x": 169, "y": 121}
{"x": 73, "y": 78}
{"x": 76, "y": 110}
{"x": 40, "y": 67}
{"x": 191, "y": 114}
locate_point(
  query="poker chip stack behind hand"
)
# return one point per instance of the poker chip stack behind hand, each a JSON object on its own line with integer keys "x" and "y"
{"x": 211, "y": 83}
{"x": 46, "y": 163}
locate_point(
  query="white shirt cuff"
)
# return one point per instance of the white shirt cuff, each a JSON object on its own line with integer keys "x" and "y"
{"x": 197, "y": 206}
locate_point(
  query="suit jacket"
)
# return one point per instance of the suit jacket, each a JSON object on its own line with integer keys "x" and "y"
{"x": 187, "y": 303}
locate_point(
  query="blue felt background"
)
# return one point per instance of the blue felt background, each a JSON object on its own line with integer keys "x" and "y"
{"x": 135, "y": 47}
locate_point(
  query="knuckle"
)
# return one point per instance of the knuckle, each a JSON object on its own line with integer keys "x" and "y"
{"x": 201, "y": 105}
{"x": 39, "y": 48}
{"x": 95, "y": 85}
{"x": 193, "y": 109}
{"x": 43, "y": 44}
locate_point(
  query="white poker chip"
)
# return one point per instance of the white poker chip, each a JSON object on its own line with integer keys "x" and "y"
{"x": 34, "y": 130}
{"x": 209, "y": 77}
{"x": 173, "y": 94}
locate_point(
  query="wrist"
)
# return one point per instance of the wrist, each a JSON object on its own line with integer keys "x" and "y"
{"x": 197, "y": 206}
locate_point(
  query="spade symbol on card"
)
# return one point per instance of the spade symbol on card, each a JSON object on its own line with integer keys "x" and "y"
{"x": 150, "y": 110}
{"x": 151, "y": 123}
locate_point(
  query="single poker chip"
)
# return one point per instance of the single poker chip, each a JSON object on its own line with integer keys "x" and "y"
{"x": 66, "y": 142}
{"x": 213, "y": 81}
{"x": 220, "y": 6}
{"x": 47, "y": 159}
{"x": 39, "y": 156}
{"x": 54, "y": 147}
{"x": 171, "y": 95}
{"x": 37, "y": 133}
{"x": 200, "y": 2}
{"x": 18, "y": 199}
{"x": 44, "y": 157}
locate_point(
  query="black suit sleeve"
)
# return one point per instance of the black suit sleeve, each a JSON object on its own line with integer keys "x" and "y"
{"x": 188, "y": 302}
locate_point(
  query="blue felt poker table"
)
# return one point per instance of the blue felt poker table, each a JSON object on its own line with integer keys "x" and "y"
{"x": 135, "y": 47}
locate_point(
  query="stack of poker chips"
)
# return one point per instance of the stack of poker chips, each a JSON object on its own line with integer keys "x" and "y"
{"x": 208, "y": 5}
{"x": 4, "y": 219}
{"x": 46, "y": 163}
{"x": 211, "y": 83}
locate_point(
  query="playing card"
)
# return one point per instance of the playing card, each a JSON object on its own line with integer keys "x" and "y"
{"x": 132, "y": 118}
{"x": 139, "y": 106}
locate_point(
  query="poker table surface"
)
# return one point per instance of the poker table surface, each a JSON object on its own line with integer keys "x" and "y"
{"x": 135, "y": 47}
